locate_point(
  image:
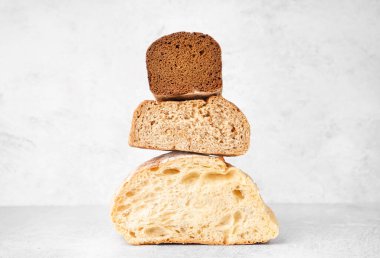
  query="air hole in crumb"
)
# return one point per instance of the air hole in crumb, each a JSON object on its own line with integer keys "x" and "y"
{"x": 234, "y": 230}
{"x": 237, "y": 217}
{"x": 170, "y": 171}
{"x": 155, "y": 231}
{"x": 176, "y": 46}
{"x": 224, "y": 221}
{"x": 152, "y": 122}
{"x": 216, "y": 177}
{"x": 132, "y": 234}
{"x": 238, "y": 194}
{"x": 121, "y": 208}
{"x": 129, "y": 193}
{"x": 190, "y": 178}
{"x": 153, "y": 168}
{"x": 201, "y": 52}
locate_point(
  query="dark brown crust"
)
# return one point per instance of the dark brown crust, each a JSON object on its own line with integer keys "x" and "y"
{"x": 184, "y": 65}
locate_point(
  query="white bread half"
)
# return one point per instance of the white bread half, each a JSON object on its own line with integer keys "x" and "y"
{"x": 213, "y": 126}
{"x": 192, "y": 198}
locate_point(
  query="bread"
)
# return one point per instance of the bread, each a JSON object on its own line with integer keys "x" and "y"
{"x": 184, "y": 65}
{"x": 192, "y": 198}
{"x": 212, "y": 126}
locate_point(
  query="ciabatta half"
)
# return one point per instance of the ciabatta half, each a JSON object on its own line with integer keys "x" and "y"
{"x": 190, "y": 198}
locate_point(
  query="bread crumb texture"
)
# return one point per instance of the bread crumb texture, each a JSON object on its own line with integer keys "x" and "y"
{"x": 192, "y": 198}
{"x": 183, "y": 63}
{"x": 212, "y": 126}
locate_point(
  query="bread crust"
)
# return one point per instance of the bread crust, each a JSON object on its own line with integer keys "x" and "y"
{"x": 161, "y": 159}
{"x": 188, "y": 96}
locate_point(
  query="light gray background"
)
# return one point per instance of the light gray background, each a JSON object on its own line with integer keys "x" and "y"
{"x": 305, "y": 73}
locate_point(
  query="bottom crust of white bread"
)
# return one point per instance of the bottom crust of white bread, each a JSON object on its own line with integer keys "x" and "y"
{"x": 191, "y": 198}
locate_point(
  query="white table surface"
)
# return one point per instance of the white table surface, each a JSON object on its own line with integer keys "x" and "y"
{"x": 306, "y": 230}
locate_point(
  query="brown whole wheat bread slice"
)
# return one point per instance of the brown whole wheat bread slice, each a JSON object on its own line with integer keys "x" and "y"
{"x": 212, "y": 126}
{"x": 191, "y": 198}
{"x": 184, "y": 65}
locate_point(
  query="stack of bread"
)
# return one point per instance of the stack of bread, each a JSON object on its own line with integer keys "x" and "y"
{"x": 190, "y": 195}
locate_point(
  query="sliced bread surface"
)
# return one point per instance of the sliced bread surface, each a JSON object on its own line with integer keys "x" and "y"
{"x": 212, "y": 126}
{"x": 192, "y": 198}
{"x": 184, "y": 65}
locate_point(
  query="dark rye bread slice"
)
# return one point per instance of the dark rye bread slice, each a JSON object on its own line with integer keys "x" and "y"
{"x": 184, "y": 65}
{"x": 212, "y": 126}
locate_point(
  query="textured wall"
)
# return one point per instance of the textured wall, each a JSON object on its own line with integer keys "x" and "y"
{"x": 306, "y": 74}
